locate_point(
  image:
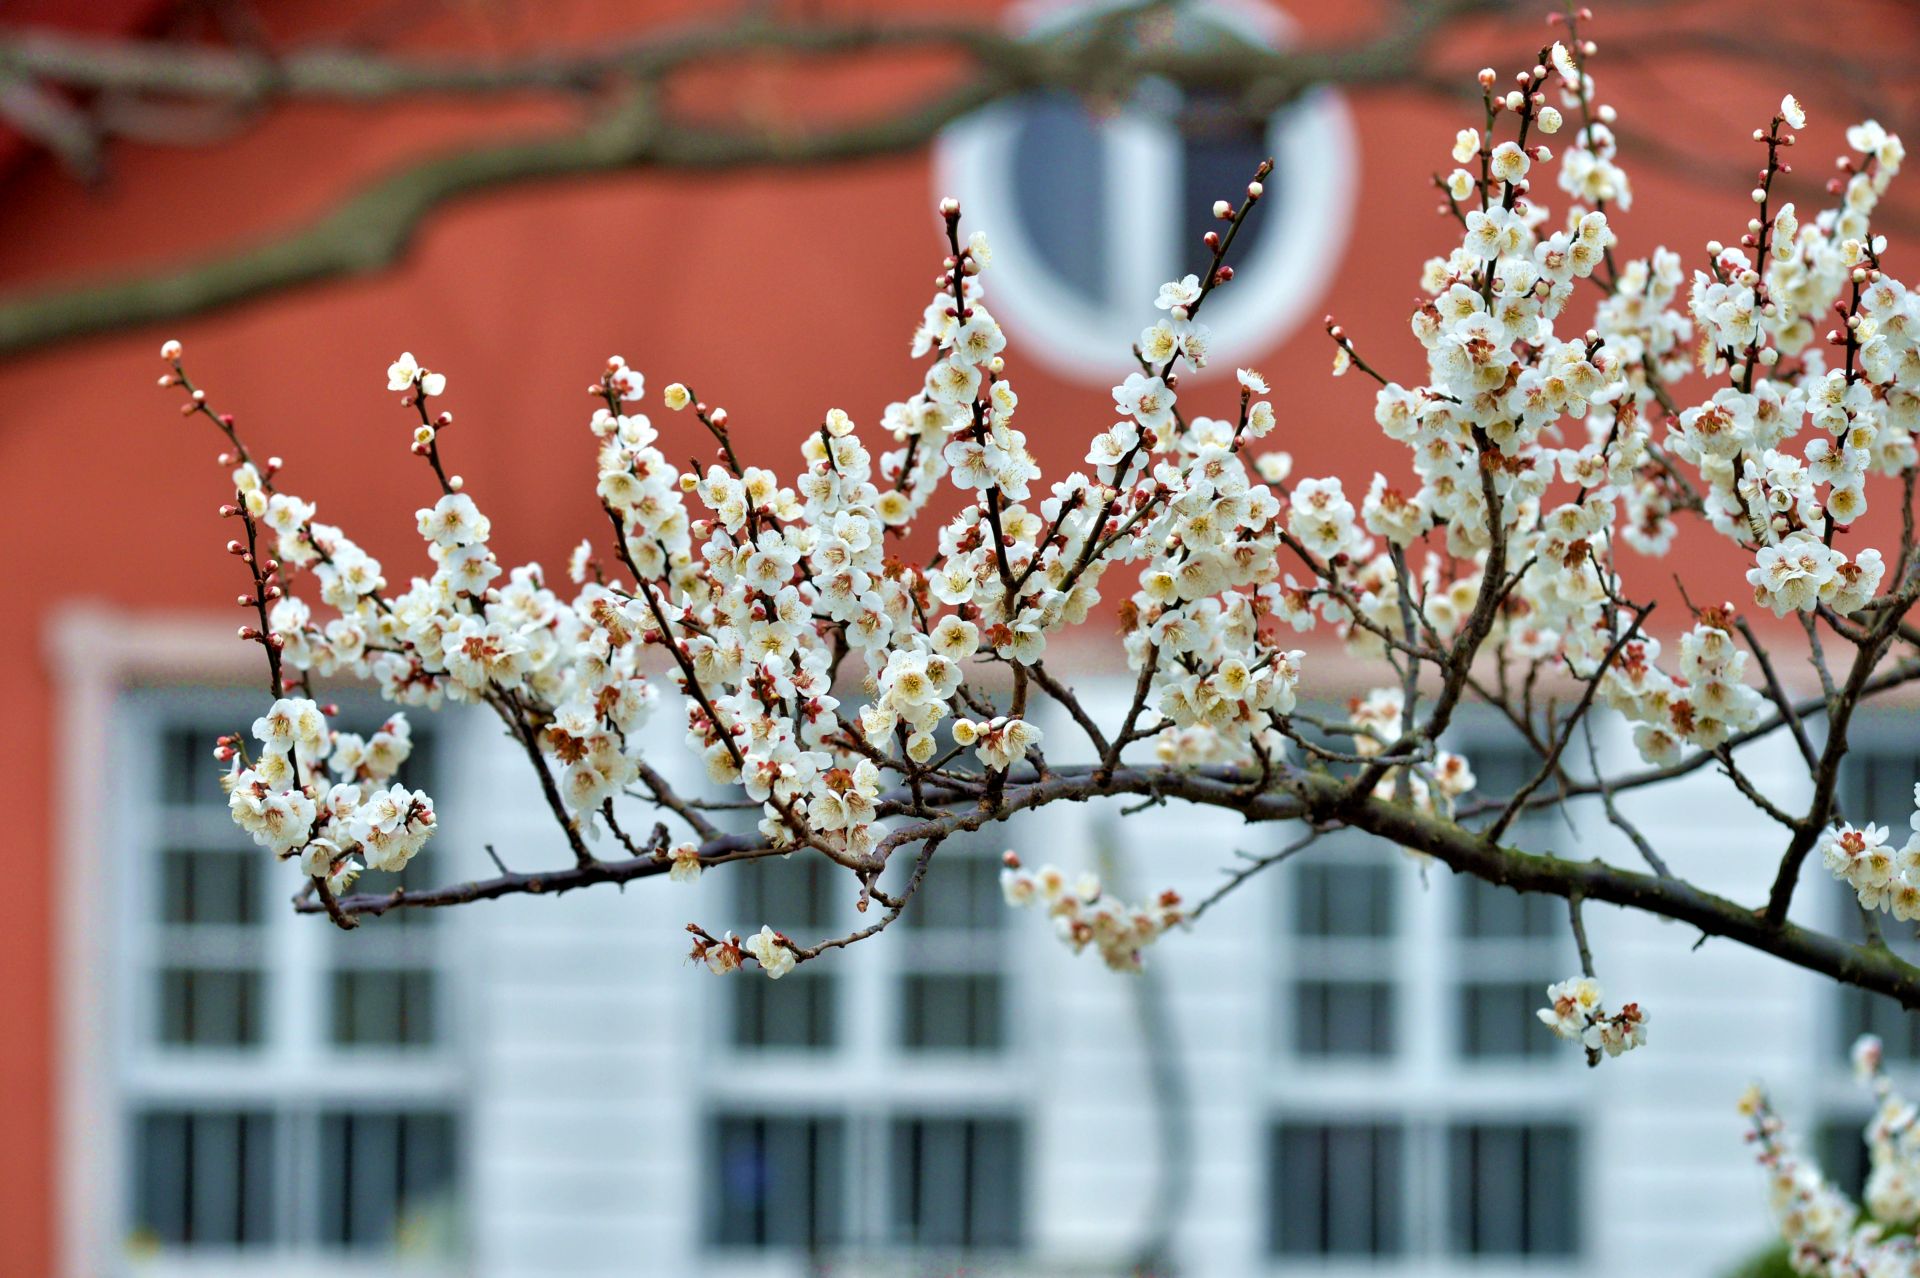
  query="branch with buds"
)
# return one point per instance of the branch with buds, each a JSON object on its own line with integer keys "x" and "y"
{"x": 860, "y": 652}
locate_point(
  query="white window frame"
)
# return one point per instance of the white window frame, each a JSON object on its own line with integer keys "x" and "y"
{"x": 1426, "y": 1086}
{"x": 868, "y": 1078}
{"x": 1277, "y": 285}
{"x": 107, "y": 669}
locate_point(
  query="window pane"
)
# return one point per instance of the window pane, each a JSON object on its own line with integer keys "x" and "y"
{"x": 796, "y": 1011}
{"x": 943, "y": 1011}
{"x": 777, "y": 1182}
{"x": 1877, "y": 781}
{"x": 1059, "y": 183}
{"x": 1343, "y": 1018}
{"x": 1343, "y": 899}
{"x": 956, "y": 1182}
{"x": 210, "y": 1007}
{"x": 1338, "y": 1190}
{"x": 203, "y": 1179}
{"x": 961, "y": 892}
{"x": 189, "y": 774}
{"x": 1841, "y": 1146}
{"x": 383, "y": 1008}
{"x": 211, "y": 887}
{"x": 1863, "y": 1012}
{"x": 1221, "y": 148}
{"x": 1512, "y": 1189}
{"x": 1490, "y": 911}
{"x": 794, "y": 894}
{"x": 386, "y": 1181}
{"x": 1497, "y": 1019}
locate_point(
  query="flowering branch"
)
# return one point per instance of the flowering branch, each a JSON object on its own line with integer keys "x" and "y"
{"x": 871, "y": 694}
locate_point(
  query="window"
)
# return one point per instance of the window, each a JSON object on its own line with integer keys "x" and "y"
{"x": 779, "y": 1181}
{"x": 1339, "y": 1189}
{"x": 286, "y": 1088}
{"x": 1511, "y": 1189}
{"x": 1425, "y": 1112}
{"x": 932, "y": 1160}
{"x": 1342, "y": 1001}
{"x": 952, "y": 955}
{"x": 1080, "y": 253}
{"x": 794, "y": 895}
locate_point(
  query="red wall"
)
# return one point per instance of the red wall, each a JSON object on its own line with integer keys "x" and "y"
{"x": 778, "y": 295}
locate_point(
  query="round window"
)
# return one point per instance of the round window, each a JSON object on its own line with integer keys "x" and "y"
{"x": 1089, "y": 214}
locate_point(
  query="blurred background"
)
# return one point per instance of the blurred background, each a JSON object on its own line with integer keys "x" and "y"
{"x": 1339, "y": 1074}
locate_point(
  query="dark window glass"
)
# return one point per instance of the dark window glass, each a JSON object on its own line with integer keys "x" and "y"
{"x": 1061, "y": 189}
{"x": 956, "y": 1182}
{"x": 1343, "y": 1018}
{"x": 1512, "y": 1189}
{"x": 384, "y": 1008}
{"x": 794, "y": 895}
{"x": 211, "y": 887}
{"x": 1338, "y": 1190}
{"x": 952, "y": 1011}
{"x": 385, "y": 1179}
{"x": 1864, "y": 1012}
{"x": 961, "y": 892}
{"x": 1497, "y": 1020}
{"x": 204, "y": 1179}
{"x": 796, "y": 1011}
{"x": 1220, "y": 151}
{"x": 778, "y": 1182}
{"x": 1841, "y": 1146}
{"x": 210, "y": 1007}
{"x": 1343, "y": 899}
{"x": 189, "y": 774}
{"x": 1490, "y": 912}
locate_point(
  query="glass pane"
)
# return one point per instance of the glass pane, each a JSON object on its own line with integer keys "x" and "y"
{"x": 1343, "y": 899}
{"x": 956, "y": 1182}
{"x": 1220, "y": 151}
{"x": 1841, "y": 1146}
{"x": 211, "y": 887}
{"x": 793, "y": 894}
{"x": 1060, "y": 188}
{"x": 203, "y": 1179}
{"x": 383, "y": 1008}
{"x": 1343, "y": 1018}
{"x": 210, "y": 1007}
{"x": 1512, "y": 1190}
{"x": 1497, "y": 1020}
{"x": 189, "y": 774}
{"x": 1862, "y": 1012}
{"x": 951, "y": 1011}
{"x": 1338, "y": 1190}
{"x": 777, "y": 1181}
{"x": 387, "y": 1181}
{"x": 1877, "y": 782}
{"x": 795, "y": 1011}
{"x": 1497, "y": 912}
{"x": 961, "y": 892}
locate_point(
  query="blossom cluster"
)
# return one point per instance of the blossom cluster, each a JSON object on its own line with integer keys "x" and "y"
{"x": 1083, "y": 914}
{"x": 1826, "y": 1232}
{"x": 1574, "y": 1012}
{"x": 1884, "y": 877}
{"x": 326, "y": 796}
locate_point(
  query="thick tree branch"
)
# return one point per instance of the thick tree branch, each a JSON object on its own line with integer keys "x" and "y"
{"x": 628, "y": 132}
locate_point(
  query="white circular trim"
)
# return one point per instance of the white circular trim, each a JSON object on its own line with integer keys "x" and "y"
{"x": 1313, "y": 144}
